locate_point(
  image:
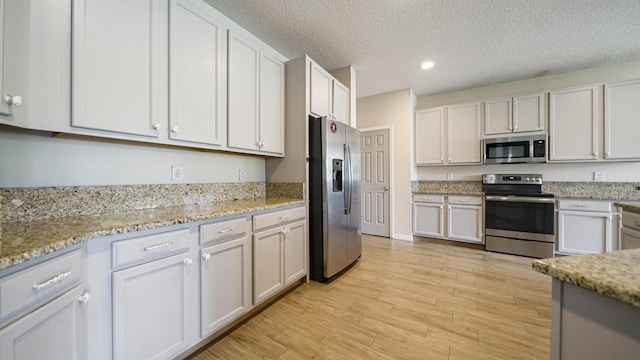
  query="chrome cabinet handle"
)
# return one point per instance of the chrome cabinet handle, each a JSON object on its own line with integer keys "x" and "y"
{"x": 386, "y": 188}
{"x": 156, "y": 126}
{"x": 157, "y": 246}
{"x": 13, "y": 99}
{"x": 187, "y": 261}
{"x": 84, "y": 298}
{"x": 284, "y": 217}
{"x": 206, "y": 257}
{"x": 51, "y": 280}
{"x": 174, "y": 129}
{"x": 224, "y": 231}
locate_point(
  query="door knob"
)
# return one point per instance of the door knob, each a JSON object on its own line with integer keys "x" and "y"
{"x": 386, "y": 188}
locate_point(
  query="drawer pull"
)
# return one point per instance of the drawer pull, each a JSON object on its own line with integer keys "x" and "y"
{"x": 582, "y": 206}
{"x": 464, "y": 200}
{"x": 157, "y": 246}
{"x": 224, "y": 231}
{"x": 284, "y": 217}
{"x": 206, "y": 257}
{"x": 52, "y": 280}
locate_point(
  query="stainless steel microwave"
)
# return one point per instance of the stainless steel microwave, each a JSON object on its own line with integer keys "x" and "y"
{"x": 515, "y": 150}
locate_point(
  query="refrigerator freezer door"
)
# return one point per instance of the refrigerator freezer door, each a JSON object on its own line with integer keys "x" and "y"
{"x": 354, "y": 244}
{"x": 335, "y": 221}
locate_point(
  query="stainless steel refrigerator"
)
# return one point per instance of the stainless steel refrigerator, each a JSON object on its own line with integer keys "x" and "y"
{"x": 334, "y": 205}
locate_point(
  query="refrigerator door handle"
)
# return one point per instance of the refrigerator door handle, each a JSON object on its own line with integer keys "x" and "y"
{"x": 350, "y": 194}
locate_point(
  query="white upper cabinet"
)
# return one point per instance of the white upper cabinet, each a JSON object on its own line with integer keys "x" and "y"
{"x": 35, "y": 63}
{"x": 573, "y": 124}
{"x": 119, "y": 66}
{"x": 271, "y": 128}
{"x": 518, "y": 114}
{"x": 329, "y": 97}
{"x": 448, "y": 135}
{"x": 464, "y": 134}
{"x": 340, "y": 103}
{"x": 429, "y": 131}
{"x": 256, "y": 97}
{"x": 197, "y": 70}
{"x": 622, "y": 120}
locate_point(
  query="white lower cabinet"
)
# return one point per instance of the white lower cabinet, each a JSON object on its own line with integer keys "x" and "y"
{"x": 462, "y": 221}
{"x": 56, "y": 331}
{"x": 158, "y": 295}
{"x": 151, "y": 309}
{"x": 586, "y": 227}
{"x": 428, "y": 215}
{"x": 225, "y": 275}
{"x": 279, "y": 252}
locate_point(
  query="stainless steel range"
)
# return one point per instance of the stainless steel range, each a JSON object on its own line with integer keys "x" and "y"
{"x": 519, "y": 216}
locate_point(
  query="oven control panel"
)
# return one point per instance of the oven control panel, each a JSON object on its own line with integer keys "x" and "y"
{"x": 512, "y": 179}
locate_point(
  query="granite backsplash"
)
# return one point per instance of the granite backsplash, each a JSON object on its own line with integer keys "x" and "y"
{"x": 24, "y": 204}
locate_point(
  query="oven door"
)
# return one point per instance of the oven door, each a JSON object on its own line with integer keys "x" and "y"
{"x": 520, "y": 217}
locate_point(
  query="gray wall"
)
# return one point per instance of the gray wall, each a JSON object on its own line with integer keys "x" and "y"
{"x": 31, "y": 158}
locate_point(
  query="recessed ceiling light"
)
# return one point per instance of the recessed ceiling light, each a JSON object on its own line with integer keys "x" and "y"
{"x": 427, "y": 65}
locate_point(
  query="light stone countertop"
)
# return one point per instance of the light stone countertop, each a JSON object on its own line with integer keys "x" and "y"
{"x": 615, "y": 274}
{"x": 26, "y": 240}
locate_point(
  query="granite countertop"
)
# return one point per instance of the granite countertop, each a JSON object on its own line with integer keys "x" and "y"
{"x": 615, "y": 274}
{"x": 26, "y": 240}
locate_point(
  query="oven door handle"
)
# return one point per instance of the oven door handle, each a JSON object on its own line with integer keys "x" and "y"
{"x": 520, "y": 199}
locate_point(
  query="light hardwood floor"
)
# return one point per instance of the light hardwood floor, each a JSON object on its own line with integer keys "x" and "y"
{"x": 405, "y": 300}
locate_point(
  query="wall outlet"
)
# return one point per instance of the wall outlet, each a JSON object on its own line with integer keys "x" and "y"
{"x": 242, "y": 175}
{"x": 598, "y": 176}
{"x": 177, "y": 173}
{"x": 449, "y": 176}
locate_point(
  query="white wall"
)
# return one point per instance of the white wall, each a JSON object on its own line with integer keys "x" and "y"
{"x": 31, "y": 158}
{"x": 395, "y": 109}
{"x": 614, "y": 171}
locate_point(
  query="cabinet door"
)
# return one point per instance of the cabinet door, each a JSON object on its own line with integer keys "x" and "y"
{"x": 428, "y": 220}
{"x": 465, "y": 223}
{"x": 268, "y": 263}
{"x": 119, "y": 65}
{"x": 573, "y": 124}
{"x": 151, "y": 309}
{"x": 429, "y": 137}
{"x": 271, "y": 104}
{"x": 295, "y": 252}
{"x": 622, "y": 120}
{"x": 528, "y": 113}
{"x": 321, "y": 85}
{"x": 340, "y": 102}
{"x": 244, "y": 60}
{"x": 225, "y": 284}
{"x": 56, "y": 331}
{"x": 197, "y": 74}
{"x": 463, "y": 132}
{"x": 14, "y": 61}
{"x": 498, "y": 116}
{"x": 581, "y": 232}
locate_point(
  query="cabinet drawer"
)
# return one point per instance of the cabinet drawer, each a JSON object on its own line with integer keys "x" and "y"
{"x": 278, "y": 217}
{"x": 224, "y": 230}
{"x": 147, "y": 248}
{"x": 631, "y": 220}
{"x": 464, "y": 200}
{"x": 45, "y": 280}
{"x": 430, "y": 198}
{"x": 584, "y": 205}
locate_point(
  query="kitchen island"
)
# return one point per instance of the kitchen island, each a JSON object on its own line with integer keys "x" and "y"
{"x": 595, "y": 305}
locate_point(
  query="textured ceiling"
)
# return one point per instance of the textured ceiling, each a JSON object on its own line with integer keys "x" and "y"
{"x": 472, "y": 42}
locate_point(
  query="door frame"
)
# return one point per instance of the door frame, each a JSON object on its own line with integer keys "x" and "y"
{"x": 391, "y": 179}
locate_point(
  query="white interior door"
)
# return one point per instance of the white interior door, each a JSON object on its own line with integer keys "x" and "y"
{"x": 375, "y": 182}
